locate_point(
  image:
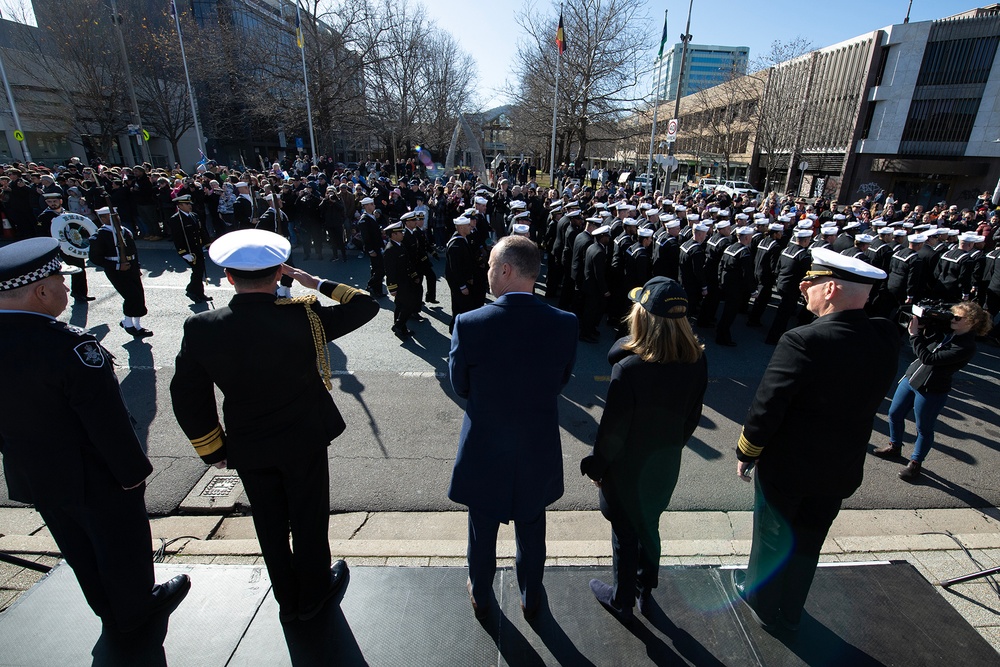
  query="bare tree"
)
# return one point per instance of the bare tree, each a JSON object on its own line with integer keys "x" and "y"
{"x": 605, "y": 60}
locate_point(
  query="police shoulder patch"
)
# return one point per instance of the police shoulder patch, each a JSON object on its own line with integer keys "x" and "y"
{"x": 90, "y": 354}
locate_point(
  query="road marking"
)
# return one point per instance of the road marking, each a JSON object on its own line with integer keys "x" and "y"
{"x": 602, "y": 378}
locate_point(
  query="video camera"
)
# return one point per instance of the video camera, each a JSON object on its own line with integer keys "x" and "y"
{"x": 934, "y": 316}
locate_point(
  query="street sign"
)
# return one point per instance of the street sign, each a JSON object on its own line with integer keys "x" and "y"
{"x": 299, "y": 143}
{"x": 18, "y": 135}
{"x": 145, "y": 135}
{"x": 671, "y": 163}
{"x": 803, "y": 165}
{"x": 672, "y": 129}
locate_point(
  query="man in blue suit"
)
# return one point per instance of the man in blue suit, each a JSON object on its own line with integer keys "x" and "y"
{"x": 510, "y": 359}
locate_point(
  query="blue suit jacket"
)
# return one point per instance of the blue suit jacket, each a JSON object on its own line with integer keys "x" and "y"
{"x": 511, "y": 359}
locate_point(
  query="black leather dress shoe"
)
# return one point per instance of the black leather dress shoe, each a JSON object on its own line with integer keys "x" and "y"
{"x": 739, "y": 584}
{"x": 168, "y": 595}
{"x": 338, "y": 575}
{"x": 479, "y": 610}
{"x": 605, "y": 595}
{"x": 142, "y": 333}
{"x": 84, "y": 298}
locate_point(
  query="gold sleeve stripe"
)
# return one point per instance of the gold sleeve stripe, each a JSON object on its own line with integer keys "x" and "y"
{"x": 210, "y": 443}
{"x": 343, "y": 293}
{"x": 318, "y": 333}
{"x": 747, "y": 448}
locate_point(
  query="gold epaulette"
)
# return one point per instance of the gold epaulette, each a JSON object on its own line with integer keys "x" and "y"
{"x": 319, "y": 336}
{"x": 209, "y": 443}
{"x": 747, "y": 448}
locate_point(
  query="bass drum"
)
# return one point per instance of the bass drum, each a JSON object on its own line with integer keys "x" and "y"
{"x": 73, "y": 231}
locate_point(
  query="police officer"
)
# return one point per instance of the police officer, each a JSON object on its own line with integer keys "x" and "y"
{"x": 186, "y": 233}
{"x": 68, "y": 444}
{"x": 793, "y": 263}
{"x": 113, "y": 249}
{"x": 371, "y": 236}
{"x": 735, "y": 283}
{"x": 765, "y": 270}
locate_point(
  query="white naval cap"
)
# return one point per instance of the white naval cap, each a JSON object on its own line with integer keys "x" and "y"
{"x": 839, "y": 216}
{"x": 630, "y": 221}
{"x": 482, "y": 201}
{"x": 603, "y": 229}
{"x": 517, "y": 203}
{"x": 803, "y": 233}
{"x": 805, "y": 224}
{"x": 409, "y": 215}
{"x": 742, "y": 216}
{"x": 775, "y": 227}
{"x": 250, "y": 250}
{"x": 243, "y": 184}
{"x": 595, "y": 220}
{"x": 916, "y": 238}
{"x": 461, "y": 220}
{"x": 522, "y": 215}
{"x": 394, "y": 227}
{"x": 749, "y": 230}
{"x": 970, "y": 237}
{"x": 829, "y": 230}
{"x": 673, "y": 224}
{"x": 826, "y": 262}
{"x": 750, "y": 209}
{"x": 864, "y": 238}
{"x": 645, "y": 232}
{"x": 723, "y": 224}
{"x": 104, "y": 211}
{"x": 367, "y": 200}
{"x": 693, "y": 216}
{"x": 852, "y": 225}
{"x": 521, "y": 229}
{"x": 899, "y": 232}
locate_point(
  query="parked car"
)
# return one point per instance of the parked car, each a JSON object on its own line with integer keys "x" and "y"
{"x": 736, "y": 188}
{"x": 644, "y": 181}
{"x": 708, "y": 184}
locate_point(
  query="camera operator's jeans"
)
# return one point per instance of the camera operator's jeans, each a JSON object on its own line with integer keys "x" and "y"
{"x": 926, "y": 408}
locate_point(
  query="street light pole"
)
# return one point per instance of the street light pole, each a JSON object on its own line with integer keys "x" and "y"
{"x": 136, "y": 120}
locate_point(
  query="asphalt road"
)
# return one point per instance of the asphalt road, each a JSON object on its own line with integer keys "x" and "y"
{"x": 404, "y": 419}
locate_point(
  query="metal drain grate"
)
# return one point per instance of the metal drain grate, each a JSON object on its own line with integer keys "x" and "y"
{"x": 221, "y": 485}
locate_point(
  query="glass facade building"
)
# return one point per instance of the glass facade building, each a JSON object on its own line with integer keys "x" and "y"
{"x": 705, "y": 66}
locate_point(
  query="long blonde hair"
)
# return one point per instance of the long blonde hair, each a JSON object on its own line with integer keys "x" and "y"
{"x": 662, "y": 340}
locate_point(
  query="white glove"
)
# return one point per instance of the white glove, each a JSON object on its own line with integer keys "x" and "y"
{"x": 188, "y": 257}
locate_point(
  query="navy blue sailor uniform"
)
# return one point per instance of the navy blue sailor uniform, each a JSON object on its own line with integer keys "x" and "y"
{"x": 404, "y": 284}
{"x": 123, "y": 272}
{"x": 186, "y": 233}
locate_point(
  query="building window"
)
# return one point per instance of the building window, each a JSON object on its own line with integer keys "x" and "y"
{"x": 941, "y": 120}
{"x": 869, "y": 117}
{"x": 958, "y": 61}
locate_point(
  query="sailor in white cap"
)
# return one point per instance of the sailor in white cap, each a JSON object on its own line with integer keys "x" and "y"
{"x": 906, "y": 282}
{"x": 667, "y": 248}
{"x": 596, "y": 290}
{"x": 692, "y": 267}
{"x": 113, "y": 249}
{"x": 735, "y": 283}
{"x": 827, "y": 235}
{"x": 371, "y": 237}
{"x": 765, "y": 269}
{"x": 69, "y": 446}
{"x": 403, "y": 280}
{"x": 954, "y": 275}
{"x": 826, "y": 357}
{"x": 188, "y": 234}
{"x": 460, "y": 270}
{"x": 244, "y": 209}
{"x": 793, "y": 262}
{"x": 845, "y": 240}
{"x": 714, "y": 247}
{"x": 254, "y": 349}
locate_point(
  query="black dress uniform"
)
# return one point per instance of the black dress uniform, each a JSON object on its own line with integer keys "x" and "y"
{"x": 618, "y": 254}
{"x": 371, "y": 237}
{"x": 582, "y": 241}
{"x": 243, "y": 210}
{"x": 953, "y": 276}
{"x": 417, "y": 247}
{"x": 793, "y": 263}
{"x": 554, "y": 275}
{"x": 127, "y": 281}
{"x": 807, "y": 462}
{"x": 69, "y": 448}
{"x": 595, "y": 289}
{"x": 666, "y": 255}
{"x": 735, "y": 285}
{"x": 638, "y": 266}
{"x": 277, "y": 440}
{"x": 693, "y": 273}
{"x": 714, "y": 248}
{"x": 460, "y": 273}
{"x": 765, "y": 271}
{"x": 186, "y": 233}
{"x": 931, "y": 255}
{"x": 404, "y": 284}
{"x": 906, "y": 276}
{"x": 567, "y": 291}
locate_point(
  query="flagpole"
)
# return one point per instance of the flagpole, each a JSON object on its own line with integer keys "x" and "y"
{"x": 555, "y": 106}
{"x": 305, "y": 78}
{"x": 187, "y": 77}
{"x": 13, "y": 111}
{"x": 656, "y": 98}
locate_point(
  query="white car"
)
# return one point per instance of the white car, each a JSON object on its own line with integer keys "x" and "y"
{"x": 736, "y": 188}
{"x": 644, "y": 180}
{"x": 708, "y": 184}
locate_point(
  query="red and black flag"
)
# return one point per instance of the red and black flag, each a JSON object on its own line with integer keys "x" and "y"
{"x": 560, "y": 36}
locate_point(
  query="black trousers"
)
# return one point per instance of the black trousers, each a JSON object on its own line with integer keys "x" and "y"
{"x": 635, "y": 569}
{"x": 731, "y": 306}
{"x": 196, "y": 286}
{"x": 529, "y": 536}
{"x": 406, "y": 303}
{"x": 594, "y": 307}
{"x": 294, "y": 496}
{"x": 567, "y": 294}
{"x": 786, "y": 308}
{"x": 460, "y": 303}
{"x": 760, "y": 303}
{"x": 788, "y": 533}
{"x": 427, "y": 271}
{"x": 129, "y": 285}
{"x": 709, "y": 305}
{"x": 337, "y": 243}
{"x": 313, "y": 241}
{"x": 77, "y": 281}
{"x": 377, "y": 274}
{"x": 106, "y": 540}
{"x": 553, "y": 277}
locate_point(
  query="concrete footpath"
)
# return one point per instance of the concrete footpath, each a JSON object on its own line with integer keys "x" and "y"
{"x": 940, "y": 543}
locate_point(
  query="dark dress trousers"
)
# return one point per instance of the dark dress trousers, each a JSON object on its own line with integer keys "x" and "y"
{"x": 279, "y": 419}
{"x": 105, "y": 253}
{"x": 186, "y": 233}
{"x": 650, "y": 413}
{"x": 509, "y": 461}
{"x": 809, "y": 458}
{"x": 68, "y": 447}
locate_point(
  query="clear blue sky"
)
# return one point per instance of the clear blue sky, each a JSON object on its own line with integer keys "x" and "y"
{"x": 488, "y": 31}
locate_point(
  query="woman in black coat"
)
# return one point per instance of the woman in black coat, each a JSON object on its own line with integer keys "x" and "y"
{"x": 652, "y": 408}
{"x": 925, "y": 386}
